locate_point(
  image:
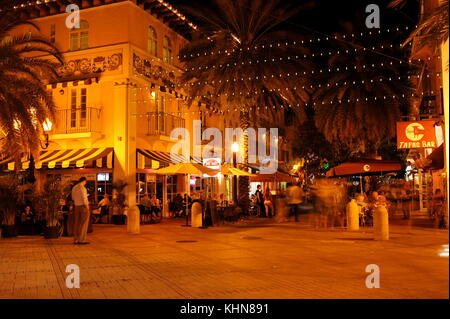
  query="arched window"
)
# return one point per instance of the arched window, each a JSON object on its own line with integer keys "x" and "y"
{"x": 79, "y": 38}
{"x": 152, "y": 42}
{"x": 167, "y": 50}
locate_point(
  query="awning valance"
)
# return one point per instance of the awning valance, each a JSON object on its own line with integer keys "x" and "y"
{"x": 4, "y": 158}
{"x": 275, "y": 177}
{"x": 156, "y": 159}
{"x": 70, "y": 158}
{"x": 364, "y": 167}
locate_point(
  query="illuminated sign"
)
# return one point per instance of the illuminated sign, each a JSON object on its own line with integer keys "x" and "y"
{"x": 417, "y": 134}
{"x": 212, "y": 163}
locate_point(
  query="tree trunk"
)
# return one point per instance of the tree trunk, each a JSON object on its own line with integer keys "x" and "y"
{"x": 244, "y": 183}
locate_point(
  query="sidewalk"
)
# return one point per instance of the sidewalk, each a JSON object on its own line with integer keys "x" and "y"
{"x": 250, "y": 259}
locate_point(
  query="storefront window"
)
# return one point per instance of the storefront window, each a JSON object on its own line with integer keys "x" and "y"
{"x": 171, "y": 187}
{"x": 104, "y": 185}
{"x": 150, "y": 184}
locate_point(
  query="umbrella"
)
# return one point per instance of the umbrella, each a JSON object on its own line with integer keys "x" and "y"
{"x": 230, "y": 170}
{"x": 364, "y": 167}
{"x": 185, "y": 168}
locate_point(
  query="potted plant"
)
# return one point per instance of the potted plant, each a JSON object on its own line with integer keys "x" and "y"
{"x": 10, "y": 199}
{"x": 119, "y": 202}
{"x": 54, "y": 191}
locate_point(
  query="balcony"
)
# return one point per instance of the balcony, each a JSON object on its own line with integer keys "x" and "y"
{"x": 159, "y": 123}
{"x": 77, "y": 120}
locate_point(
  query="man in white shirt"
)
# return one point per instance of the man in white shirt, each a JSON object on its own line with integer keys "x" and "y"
{"x": 81, "y": 213}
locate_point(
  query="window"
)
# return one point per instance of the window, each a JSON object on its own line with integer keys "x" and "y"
{"x": 78, "y": 107}
{"x": 167, "y": 50}
{"x": 160, "y": 108}
{"x": 52, "y": 33}
{"x": 79, "y": 38}
{"x": 152, "y": 42}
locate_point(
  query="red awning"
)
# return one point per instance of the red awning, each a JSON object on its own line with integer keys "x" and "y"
{"x": 275, "y": 177}
{"x": 362, "y": 167}
{"x": 437, "y": 158}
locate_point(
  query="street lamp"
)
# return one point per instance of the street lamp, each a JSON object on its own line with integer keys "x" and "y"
{"x": 47, "y": 126}
{"x": 234, "y": 149}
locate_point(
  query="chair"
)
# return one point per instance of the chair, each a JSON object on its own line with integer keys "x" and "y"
{"x": 104, "y": 211}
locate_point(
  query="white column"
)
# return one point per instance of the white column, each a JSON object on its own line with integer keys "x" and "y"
{"x": 124, "y": 119}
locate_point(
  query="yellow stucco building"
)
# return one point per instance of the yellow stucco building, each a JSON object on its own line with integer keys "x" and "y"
{"x": 119, "y": 97}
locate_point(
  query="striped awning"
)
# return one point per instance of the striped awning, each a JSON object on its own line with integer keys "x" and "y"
{"x": 4, "y": 158}
{"x": 70, "y": 158}
{"x": 156, "y": 159}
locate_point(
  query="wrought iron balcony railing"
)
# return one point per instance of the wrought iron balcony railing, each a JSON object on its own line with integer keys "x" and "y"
{"x": 77, "y": 120}
{"x": 160, "y": 123}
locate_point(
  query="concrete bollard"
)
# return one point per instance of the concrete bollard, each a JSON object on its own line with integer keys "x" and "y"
{"x": 352, "y": 215}
{"x": 196, "y": 215}
{"x": 381, "y": 223}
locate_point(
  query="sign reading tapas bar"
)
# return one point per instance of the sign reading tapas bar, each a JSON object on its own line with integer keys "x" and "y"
{"x": 417, "y": 134}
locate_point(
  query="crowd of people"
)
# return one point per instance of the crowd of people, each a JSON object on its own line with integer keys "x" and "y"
{"x": 326, "y": 200}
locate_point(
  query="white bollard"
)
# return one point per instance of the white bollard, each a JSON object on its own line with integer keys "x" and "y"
{"x": 381, "y": 223}
{"x": 352, "y": 215}
{"x": 196, "y": 215}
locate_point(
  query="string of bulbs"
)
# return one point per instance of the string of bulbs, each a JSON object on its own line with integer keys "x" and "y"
{"x": 281, "y": 106}
{"x": 295, "y": 43}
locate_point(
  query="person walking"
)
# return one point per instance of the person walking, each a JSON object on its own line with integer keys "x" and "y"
{"x": 268, "y": 205}
{"x": 294, "y": 199}
{"x": 81, "y": 213}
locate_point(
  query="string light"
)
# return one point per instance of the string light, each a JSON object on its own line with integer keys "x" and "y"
{"x": 228, "y": 52}
{"x": 337, "y": 69}
{"x": 222, "y": 111}
{"x": 181, "y": 16}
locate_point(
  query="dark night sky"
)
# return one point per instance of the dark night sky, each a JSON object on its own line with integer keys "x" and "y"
{"x": 326, "y": 14}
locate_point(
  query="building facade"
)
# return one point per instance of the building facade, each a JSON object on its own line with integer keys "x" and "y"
{"x": 119, "y": 98}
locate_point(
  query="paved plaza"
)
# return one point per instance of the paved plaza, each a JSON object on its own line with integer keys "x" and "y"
{"x": 255, "y": 258}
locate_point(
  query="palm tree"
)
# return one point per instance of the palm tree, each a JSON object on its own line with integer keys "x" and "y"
{"x": 24, "y": 101}
{"x": 236, "y": 58}
{"x": 432, "y": 30}
{"x": 358, "y": 102}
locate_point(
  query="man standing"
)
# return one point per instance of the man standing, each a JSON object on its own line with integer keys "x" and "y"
{"x": 260, "y": 201}
{"x": 294, "y": 197}
{"x": 81, "y": 213}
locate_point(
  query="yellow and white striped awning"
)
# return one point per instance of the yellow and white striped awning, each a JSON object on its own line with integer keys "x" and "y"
{"x": 73, "y": 158}
{"x": 156, "y": 159}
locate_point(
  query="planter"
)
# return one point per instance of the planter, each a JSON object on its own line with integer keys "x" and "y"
{"x": 9, "y": 231}
{"x": 52, "y": 232}
{"x": 119, "y": 219}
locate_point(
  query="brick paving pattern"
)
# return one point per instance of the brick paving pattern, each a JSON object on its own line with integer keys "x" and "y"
{"x": 250, "y": 259}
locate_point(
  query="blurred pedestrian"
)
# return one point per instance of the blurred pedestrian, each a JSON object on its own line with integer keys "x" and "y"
{"x": 294, "y": 198}
{"x": 268, "y": 204}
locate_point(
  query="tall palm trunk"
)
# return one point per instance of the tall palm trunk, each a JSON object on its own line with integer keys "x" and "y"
{"x": 244, "y": 183}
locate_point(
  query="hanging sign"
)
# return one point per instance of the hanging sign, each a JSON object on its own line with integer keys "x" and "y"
{"x": 212, "y": 163}
{"x": 417, "y": 134}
